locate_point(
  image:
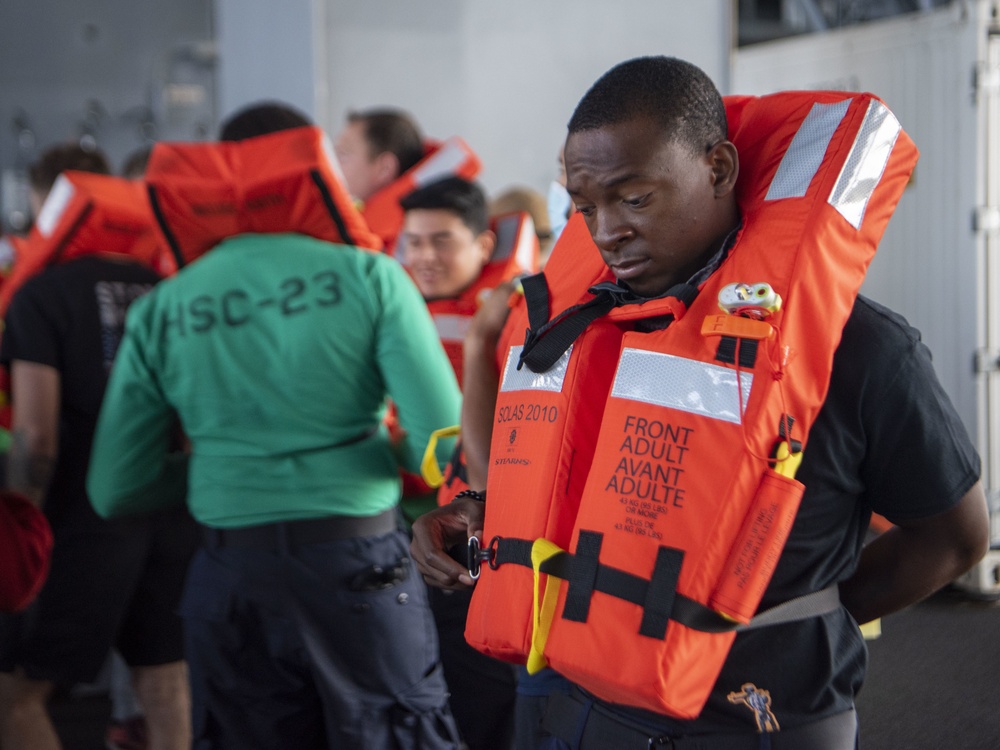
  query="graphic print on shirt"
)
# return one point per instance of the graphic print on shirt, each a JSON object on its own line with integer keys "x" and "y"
{"x": 758, "y": 701}
{"x": 113, "y": 300}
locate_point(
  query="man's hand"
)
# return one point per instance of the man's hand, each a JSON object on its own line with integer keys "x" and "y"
{"x": 491, "y": 316}
{"x": 435, "y": 532}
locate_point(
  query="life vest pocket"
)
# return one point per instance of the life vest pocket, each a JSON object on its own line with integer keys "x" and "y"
{"x": 758, "y": 546}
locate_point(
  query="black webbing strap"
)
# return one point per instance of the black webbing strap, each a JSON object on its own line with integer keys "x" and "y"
{"x": 331, "y": 207}
{"x": 658, "y": 596}
{"x": 545, "y": 345}
{"x": 458, "y": 470}
{"x": 175, "y": 248}
{"x": 661, "y": 592}
{"x": 536, "y": 295}
{"x": 746, "y": 348}
{"x": 583, "y": 576}
{"x": 547, "y": 340}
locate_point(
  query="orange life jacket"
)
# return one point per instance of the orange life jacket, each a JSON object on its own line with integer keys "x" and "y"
{"x": 86, "y": 214}
{"x": 450, "y": 158}
{"x": 660, "y": 448}
{"x": 202, "y": 193}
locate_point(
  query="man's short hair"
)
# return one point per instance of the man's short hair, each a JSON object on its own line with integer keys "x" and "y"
{"x": 674, "y": 93}
{"x": 261, "y": 119}
{"x": 394, "y": 131}
{"x": 57, "y": 159}
{"x": 463, "y": 198}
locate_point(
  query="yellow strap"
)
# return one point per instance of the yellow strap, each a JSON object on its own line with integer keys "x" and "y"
{"x": 542, "y": 610}
{"x": 429, "y": 468}
{"x": 787, "y": 463}
{"x": 872, "y": 629}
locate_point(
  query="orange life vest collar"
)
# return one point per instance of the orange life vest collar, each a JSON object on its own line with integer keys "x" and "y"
{"x": 87, "y": 214}
{"x": 202, "y": 193}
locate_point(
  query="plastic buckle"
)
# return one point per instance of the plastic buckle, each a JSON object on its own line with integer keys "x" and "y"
{"x": 657, "y": 743}
{"x": 477, "y": 555}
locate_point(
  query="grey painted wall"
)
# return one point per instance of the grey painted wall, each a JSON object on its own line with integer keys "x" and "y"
{"x": 266, "y": 51}
{"x": 504, "y": 76}
{"x": 123, "y": 71}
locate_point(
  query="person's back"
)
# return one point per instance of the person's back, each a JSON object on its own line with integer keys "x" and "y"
{"x": 71, "y": 317}
{"x": 305, "y": 626}
{"x": 279, "y": 371}
{"x": 110, "y": 583}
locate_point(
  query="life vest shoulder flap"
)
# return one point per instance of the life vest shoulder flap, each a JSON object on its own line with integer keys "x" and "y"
{"x": 821, "y": 173}
{"x": 450, "y": 158}
{"x": 202, "y": 193}
{"x": 87, "y": 214}
{"x": 517, "y": 250}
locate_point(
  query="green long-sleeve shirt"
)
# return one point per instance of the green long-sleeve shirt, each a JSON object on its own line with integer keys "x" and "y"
{"x": 277, "y": 353}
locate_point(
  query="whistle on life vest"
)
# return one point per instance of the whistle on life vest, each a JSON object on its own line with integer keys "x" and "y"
{"x": 757, "y": 301}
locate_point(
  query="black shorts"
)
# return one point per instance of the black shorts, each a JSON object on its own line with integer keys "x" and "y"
{"x": 111, "y": 583}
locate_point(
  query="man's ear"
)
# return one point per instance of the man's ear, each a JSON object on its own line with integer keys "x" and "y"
{"x": 487, "y": 242}
{"x": 724, "y": 162}
{"x": 386, "y": 168}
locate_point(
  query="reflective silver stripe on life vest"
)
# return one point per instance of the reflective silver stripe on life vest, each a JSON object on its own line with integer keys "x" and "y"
{"x": 452, "y": 327}
{"x": 59, "y": 198}
{"x": 524, "y": 253}
{"x": 865, "y": 164}
{"x": 806, "y": 151}
{"x": 443, "y": 163}
{"x": 685, "y": 384}
{"x": 526, "y": 380}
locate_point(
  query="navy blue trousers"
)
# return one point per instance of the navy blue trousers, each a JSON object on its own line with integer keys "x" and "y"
{"x": 304, "y": 648}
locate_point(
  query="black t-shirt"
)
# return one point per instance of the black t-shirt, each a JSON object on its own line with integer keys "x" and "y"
{"x": 71, "y": 317}
{"x": 886, "y": 440}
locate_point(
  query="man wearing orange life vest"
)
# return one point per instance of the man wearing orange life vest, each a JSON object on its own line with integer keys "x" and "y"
{"x": 111, "y": 583}
{"x": 383, "y": 157}
{"x": 374, "y": 148}
{"x": 651, "y": 170}
{"x": 446, "y": 244}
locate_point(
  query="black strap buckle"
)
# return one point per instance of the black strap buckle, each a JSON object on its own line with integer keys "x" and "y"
{"x": 477, "y": 555}
{"x": 659, "y": 742}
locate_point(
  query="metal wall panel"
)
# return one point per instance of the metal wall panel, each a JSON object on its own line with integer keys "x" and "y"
{"x": 928, "y": 265}
{"x": 120, "y": 72}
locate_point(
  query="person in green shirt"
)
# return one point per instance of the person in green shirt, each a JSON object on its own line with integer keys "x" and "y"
{"x": 305, "y": 624}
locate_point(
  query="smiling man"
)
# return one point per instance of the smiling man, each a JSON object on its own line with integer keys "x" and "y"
{"x": 446, "y": 237}
{"x": 446, "y": 244}
{"x": 633, "y": 353}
